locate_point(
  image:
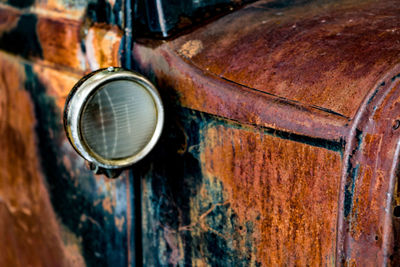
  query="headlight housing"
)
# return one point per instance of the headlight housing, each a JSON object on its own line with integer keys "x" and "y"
{"x": 113, "y": 117}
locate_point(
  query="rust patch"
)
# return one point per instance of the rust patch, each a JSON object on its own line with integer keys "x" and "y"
{"x": 30, "y": 235}
{"x": 60, "y": 42}
{"x": 200, "y": 91}
{"x": 102, "y": 46}
{"x": 287, "y": 190}
{"x": 366, "y": 233}
{"x": 107, "y": 205}
{"x": 326, "y": 54}
{"x": 191, "y": 48}
{"x": 58, "y": 83}
{"x": 61, "y": 8}
{"x": 73, "y": 248}
{"x": 119, "y": 223}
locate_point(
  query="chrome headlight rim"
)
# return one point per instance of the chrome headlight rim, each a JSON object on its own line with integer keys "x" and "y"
{"x": 80, "y": 96}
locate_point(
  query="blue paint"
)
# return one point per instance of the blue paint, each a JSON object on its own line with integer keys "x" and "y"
{"x": 349, "y": 190}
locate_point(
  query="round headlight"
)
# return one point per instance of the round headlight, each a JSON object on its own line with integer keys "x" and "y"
{"x": 113, "y": 117}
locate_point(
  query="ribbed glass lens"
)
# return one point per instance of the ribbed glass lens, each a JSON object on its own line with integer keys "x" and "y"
{"x": 119, "y": 120}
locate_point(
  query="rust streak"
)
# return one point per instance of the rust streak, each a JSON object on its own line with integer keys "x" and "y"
{"x": 288, "y": 190}
{"x": 30, "y": 233}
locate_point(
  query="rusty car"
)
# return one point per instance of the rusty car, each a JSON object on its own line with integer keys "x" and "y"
{"x": 279, "y": 143}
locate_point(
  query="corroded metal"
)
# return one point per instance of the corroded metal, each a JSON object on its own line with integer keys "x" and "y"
{"x": 70, "y": 215}
{"x": 371, "y": 167}
{"x": 205, "y": 92}
{"x": 326, "y": 54}
{"x": 290, "y": 196}
{"x": 76, "y": 45}
{"x": 28, "y": 225}
{"x": 321, "y": 74}
{"x": 281, "y": 144}
{"x": 53, "y": 210}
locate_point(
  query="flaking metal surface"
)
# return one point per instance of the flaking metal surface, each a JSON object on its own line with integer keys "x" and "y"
{"x": 327, "y": 54}
{"x": 318, "y": 73}
{"x": 53, "y": 211}
{"x": 300, "y": 88}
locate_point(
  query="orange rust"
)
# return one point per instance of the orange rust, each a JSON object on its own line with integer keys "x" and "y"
{"x": 288, "y": 190}
{"x": 366, "y": 229}
{"x": 197, "y": 89}
{"x": 102, "y": 45}
{"x": 373, "y": 145}
{"x": 59, "y": 39}
{"x": 107, "y": 205}
{"x": 119, "y": 223}
{"x": 329, "y": 54}
{"x": 30, "y": 235}
{"x": 61, "y": 8}
{"x": 191, "y": 48}
{"x": 69, "y": 9}
{"x": 58, "y": 83}
{"x": 327, "y": 70}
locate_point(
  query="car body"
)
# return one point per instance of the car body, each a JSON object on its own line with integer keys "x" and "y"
{"x": 280, "y": 142}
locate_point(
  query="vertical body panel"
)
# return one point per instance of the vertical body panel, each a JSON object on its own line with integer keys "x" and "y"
{"x": 53, "y": 211}
{"x": 319, "y": 72}
{"x": 30, "y": 233}
{"x": 229, "y": 195}
{"x": 88, "y": 217}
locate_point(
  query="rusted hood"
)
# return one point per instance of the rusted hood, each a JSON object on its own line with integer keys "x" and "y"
{"x": 328, "y": 54}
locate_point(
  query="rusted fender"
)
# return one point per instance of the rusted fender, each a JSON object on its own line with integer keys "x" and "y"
{"x": 318, "y": 59}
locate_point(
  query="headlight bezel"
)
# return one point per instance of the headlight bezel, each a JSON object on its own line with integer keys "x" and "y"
{"x": 82, "y": 93}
